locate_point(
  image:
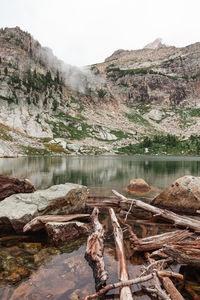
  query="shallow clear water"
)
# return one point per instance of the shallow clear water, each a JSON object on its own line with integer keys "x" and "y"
{"x": 32, "y": 268}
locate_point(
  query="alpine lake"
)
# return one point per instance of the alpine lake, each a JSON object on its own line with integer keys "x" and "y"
{"x": 31, "y": 267}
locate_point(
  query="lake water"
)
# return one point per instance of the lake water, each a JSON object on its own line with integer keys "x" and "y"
{"x": 32, "y": 268}
{"x": 100, "y": 173}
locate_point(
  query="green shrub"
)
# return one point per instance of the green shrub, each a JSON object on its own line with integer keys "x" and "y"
{"x": 6, "y": 71}
{"x": 101, "y": 93}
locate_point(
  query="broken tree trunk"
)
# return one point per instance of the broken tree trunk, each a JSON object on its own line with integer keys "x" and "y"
{"x": 125, "y": 292}
{"x": 184, "y": 253}
{"x": 40, "y": 221}
{"x": 157, "y": 241}
{"x": 166, "y": 214}
{"x": 10, "y": 186}
{"x": 94, "y": 251}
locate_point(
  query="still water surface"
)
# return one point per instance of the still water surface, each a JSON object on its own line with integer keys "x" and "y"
{"x": 32, "y": 268}
{"x": 100, "y": 174}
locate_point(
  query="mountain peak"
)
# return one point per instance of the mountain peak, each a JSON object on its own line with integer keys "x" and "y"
{"x": 157, "y": 43}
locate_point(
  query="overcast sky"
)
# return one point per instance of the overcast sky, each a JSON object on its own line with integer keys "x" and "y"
{"x": 83, "y": 32}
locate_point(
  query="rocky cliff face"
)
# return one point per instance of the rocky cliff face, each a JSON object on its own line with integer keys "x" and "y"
{"x": 48, "y": 107}
{"x": 156, "y": 74}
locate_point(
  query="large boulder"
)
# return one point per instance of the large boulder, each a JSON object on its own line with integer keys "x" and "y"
{"x": 20, "y": 209}
{"x": 10, "y": 186}
{"x": 183, "y": 195}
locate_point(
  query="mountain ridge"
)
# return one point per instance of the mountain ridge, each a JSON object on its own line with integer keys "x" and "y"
{"x": 49, "y": 107}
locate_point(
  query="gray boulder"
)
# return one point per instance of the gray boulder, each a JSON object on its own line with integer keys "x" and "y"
{"x": 20, "y": 209}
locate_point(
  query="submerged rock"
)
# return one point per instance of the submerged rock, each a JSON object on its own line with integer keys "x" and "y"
{"x": 45, "y": 284}
{"x": 138, "y": 185}
{"x": 182, "y": 195}
{"x": 65, "y": 231}
{"x": 20, "y": 209}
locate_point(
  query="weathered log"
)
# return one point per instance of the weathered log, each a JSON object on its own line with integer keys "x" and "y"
{"x": 166, "y": 281}
{"x": 158, "y": 254}
{"x": 156, "y": 289}
{"x": 65, "y": 231}
{"x": 157, "y": 241}
{"x": 170, "y": 274}
{"x": 178, "y": 220}
{"x": 184, "y": 253}
{"x": 10, "y": 186}
{"x": 94, "y": 251}
{"x": 40, "y": 221}
{"x": 125, "y": 292}
{"x": 170, "y": 288}
{"x": 120, "y": 284}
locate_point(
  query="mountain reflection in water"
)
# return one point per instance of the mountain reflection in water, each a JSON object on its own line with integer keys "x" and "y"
{"x": 100, "y": 173}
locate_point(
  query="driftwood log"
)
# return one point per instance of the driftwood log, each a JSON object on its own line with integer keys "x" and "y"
{"x": 10, "y": 186}
{"x": 184, "y": 253}
{"x": 164, "y": 277}
{"x": 94, "y": 251}
{"x": 121, "y": 285}
{"x": 178, "y": 220}
{"x": 125, "y": 292}
{"x": 40, "y": 221}
{"x": 170, "y": 288}
{"x": 157, "y": 266}
{"x": 157, "y": 241}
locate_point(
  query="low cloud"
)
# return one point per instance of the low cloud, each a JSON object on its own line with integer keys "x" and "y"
{"x": 79, "y": 79}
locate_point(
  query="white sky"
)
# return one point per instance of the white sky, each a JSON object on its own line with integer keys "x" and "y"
{"x": 82, "y": 32}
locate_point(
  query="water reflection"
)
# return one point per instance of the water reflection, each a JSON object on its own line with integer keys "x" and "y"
{"x": 101, "y": 174}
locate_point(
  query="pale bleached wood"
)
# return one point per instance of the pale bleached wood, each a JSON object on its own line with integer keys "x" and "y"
{"x": 95, "y": 249}
{"x": 178, "y": 220}
{"x": 125, "y": 292}
{"x": 157, "y": 241}
{"x": 40, "y": 221}
{"x": 120, "y": 284}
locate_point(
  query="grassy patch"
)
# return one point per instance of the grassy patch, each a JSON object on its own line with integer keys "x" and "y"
{"x": 185, "y": 115}
{"x": 137, "y": 118}
{"x": 143, "y": 108}
{"x": 4, "y": 133}
{"x": 194, "y": 112}
{"x": 35, "y": 151}
{"x": 67, "y": 117}
{"x": 72, "y": 130}
{"x": 119, "y": 134}
{"x": 119, "y": 73}
{"x": 56, "y": 148}
{"x": 81, "y": 106}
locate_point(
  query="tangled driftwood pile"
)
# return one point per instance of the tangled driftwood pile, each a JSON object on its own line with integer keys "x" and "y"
{"x": 181, "y": 246}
